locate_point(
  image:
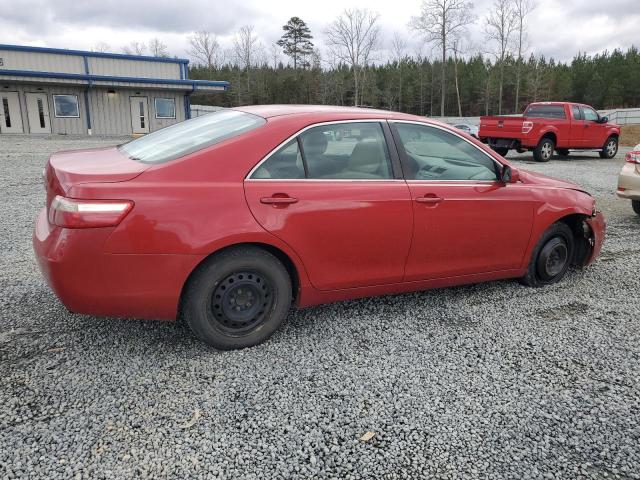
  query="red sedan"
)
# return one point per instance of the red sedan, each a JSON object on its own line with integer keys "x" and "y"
{"x": 230, "y": 218}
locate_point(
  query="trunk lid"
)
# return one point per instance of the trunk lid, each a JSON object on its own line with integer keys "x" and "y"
{"x": 100, "y": 165}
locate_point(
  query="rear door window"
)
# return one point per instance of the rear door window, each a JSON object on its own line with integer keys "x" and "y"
{"x": 346, "y": 151}
{"x": 545, "y": 111}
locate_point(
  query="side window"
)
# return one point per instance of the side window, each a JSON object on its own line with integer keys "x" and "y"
{"x": 434, "y": 154}
{"x": 590, "y": 114}
{"x": 286, "y": 163}
{"x": 577, "y": 112}
{"x": 346, "y": 151}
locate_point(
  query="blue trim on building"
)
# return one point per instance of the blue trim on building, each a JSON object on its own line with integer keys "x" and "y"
{"x": 86, "y": 106}
{"x": 62, "y": 51}
{"x": 105, "y": 78}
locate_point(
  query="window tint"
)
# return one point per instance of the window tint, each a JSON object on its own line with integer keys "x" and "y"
{"x": 577, "y": 112}
{"x": 66, "y": 106}
{"x": 590, "y": 114}
{"x": 286, "y": 163}
{"x": 187, "y": 137}
{"x": 545, "y": 111}
{"x": 346, "y": 151}
{"x": 434, "y": 154}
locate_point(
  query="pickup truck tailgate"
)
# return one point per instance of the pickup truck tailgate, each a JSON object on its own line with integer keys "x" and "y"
{"x": 500, "y": 127}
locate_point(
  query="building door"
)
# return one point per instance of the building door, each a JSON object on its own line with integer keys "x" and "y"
{"x": 139, "y": 114}
{"x": 38, "y": 113}
{"x": 10, "y": 115}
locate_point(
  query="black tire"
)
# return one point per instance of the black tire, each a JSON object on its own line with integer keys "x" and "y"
{"x": 552, "y": 256}
{"x": 610, "y": 148}
{"x": 501, "y": 151}
{"x": 563, "y": 152}
{"x": 237, "y": 298}
{"x": 635, "y": 204}
{"x": 544, "y": 150}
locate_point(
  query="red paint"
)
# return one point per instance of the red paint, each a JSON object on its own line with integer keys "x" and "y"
{"x": 345, "y": 239}
{"x": 570, "y": 132}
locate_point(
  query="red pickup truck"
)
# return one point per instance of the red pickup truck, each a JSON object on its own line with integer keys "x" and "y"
{"x": 548, "y": 126}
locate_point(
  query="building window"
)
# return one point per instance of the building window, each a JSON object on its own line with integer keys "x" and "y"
{"x": 165, "y": 108}
{"x": 66, "y": 106}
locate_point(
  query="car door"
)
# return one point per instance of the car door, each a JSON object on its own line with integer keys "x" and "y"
{"x": 465, "y": 220}
{"x": 333, "y": 195}
{"x": 594, "y": 132}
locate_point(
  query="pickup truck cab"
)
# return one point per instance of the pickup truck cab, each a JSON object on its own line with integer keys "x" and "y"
{"x": 548, "y": 126}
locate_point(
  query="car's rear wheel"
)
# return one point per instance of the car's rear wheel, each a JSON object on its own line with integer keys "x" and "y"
{"x": 237, "y": 298}
{"x": 544, "y": 150}
{"x": 501, "y": 151}
{"x": 610, "y": 148}
{"x": 635, "y": 204}
{"x": 551, "y": 257}
{"x": 563, "y": 152}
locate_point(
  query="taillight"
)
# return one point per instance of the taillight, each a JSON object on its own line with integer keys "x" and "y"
{"x": 527, "y": 127}
{"x": 632, "y": 157}
{"x": 73, "y": 213}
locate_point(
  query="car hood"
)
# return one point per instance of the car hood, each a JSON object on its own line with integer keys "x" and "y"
{"x": 535, "y": 178}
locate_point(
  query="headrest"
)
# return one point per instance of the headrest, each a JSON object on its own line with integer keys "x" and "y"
{"x": 366, "y": 157}
{"x": 314, "y": 143}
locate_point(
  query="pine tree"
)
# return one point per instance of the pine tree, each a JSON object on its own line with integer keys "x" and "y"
{"x": 296, "y": 41}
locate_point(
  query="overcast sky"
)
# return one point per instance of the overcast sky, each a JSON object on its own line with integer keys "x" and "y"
{"x": 557, "y": 28}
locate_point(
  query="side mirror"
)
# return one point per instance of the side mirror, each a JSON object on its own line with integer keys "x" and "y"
{"x": 509, "y": 175}
{"x": 603, "y": 120}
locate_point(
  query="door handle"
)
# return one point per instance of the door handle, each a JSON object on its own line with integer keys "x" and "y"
{"x": 430, "y": 200}
{"x": 278, "y": 200}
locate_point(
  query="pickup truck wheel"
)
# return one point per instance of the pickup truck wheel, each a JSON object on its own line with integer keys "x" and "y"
{"x": 544, "y": 151}
{"x": 563, "y": 152}
{"x": 551, "y": 258}
{"x": 635, "y": 204}
{"x": 501, "y": 150}
{"x": 610, "y": 148}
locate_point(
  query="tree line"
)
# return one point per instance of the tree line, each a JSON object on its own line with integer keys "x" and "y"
{"x": 446, "y": 75}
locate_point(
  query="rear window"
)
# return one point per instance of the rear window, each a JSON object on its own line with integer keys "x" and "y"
{"x": 191, "y": 135}
{"x": 545, "y": 111}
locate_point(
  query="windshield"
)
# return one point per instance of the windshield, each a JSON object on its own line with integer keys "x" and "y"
{"x": 189, "y": 136}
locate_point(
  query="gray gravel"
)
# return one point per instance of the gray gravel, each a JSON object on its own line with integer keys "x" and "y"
{"x": 484, "y": 381}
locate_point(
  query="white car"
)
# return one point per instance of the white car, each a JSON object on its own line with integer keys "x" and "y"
{"x": 470, "y": 129}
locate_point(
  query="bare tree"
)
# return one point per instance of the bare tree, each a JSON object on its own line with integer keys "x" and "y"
{"x": 398, "y": 48}
{"x": 157, "y": 48}
{"x": 441, "y": 22}
{"x": 352, "y": 38}
{"x": 246, "y": 49}
{"x": 101, "y": 47}
{"x": 274, "y": 54}
{"x": 135, "y": 48}
{"x": 204, "y": 49}
{"x": 522, "y": 9}
{"x": 457, "y": 50}
{"x": 499, "y": 26}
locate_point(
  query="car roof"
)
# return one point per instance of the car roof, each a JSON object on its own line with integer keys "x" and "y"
{"x": 323, "y": 111}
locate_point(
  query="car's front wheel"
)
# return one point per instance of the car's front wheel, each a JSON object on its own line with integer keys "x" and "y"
{"x": 237, "y": 298}
{"x": 635, "y": 204}
{"x": 551, "y": 257}
{"x": 610, "y": 148}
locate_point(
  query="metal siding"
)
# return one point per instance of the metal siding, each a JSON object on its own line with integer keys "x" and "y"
{"x": 133, "y": 68}
{"x": 41, "y": 62}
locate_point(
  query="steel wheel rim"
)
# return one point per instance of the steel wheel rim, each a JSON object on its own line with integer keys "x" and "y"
{"x": 546, "y": 150}
{"x": 553, "y": 258}
{"x": 611, "y": 148}
{"x": 241, "y": 302}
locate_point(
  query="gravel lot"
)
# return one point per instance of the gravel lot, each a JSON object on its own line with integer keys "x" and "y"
{"x": 484, "y": 381}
